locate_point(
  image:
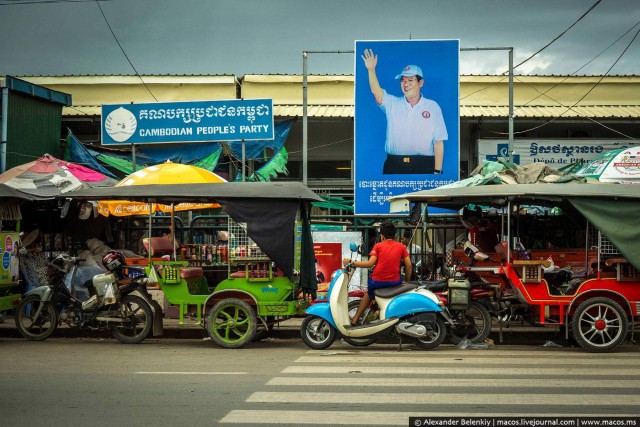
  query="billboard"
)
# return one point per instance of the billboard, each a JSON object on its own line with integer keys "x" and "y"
{"x": 192, "y": 121}
{"x": 406, "y": 119}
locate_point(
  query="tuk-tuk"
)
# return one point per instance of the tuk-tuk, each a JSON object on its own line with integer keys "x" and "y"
{"x": 597, "y": 303}
{"x": 271, "y": 270}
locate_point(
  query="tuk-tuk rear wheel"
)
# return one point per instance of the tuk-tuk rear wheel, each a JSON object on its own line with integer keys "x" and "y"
{"x": 599, "y": 325}
{"x": 231, "y": 323}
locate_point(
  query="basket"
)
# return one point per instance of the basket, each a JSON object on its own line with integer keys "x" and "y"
{"x": 171, "y": 275}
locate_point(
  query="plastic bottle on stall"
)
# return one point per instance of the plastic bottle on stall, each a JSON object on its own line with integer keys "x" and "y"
{"x": 224, "y": 254}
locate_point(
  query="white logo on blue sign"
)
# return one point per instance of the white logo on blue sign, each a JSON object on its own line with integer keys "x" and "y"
{"x": 120, "y": 124}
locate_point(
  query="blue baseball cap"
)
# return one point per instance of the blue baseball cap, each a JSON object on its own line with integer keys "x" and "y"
{"x": 410, "y": 70}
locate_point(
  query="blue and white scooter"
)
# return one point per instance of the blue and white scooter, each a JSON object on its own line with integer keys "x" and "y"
{"x": 405, "y": 310}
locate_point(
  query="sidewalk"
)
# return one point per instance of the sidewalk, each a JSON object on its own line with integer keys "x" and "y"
{"x": 290, "y": 329}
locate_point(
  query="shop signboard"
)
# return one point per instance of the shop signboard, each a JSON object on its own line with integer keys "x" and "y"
{"x": 555, "y": 153}
{"x": 9, "y": 255}
{"x": 399, "y": 136}
{"x": 193, "y": 121}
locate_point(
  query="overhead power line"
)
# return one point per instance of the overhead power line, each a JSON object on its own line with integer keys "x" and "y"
{"x": 559, "y": 35}
{"x": 123, "y": 52}
{"x": 17, "y": 2}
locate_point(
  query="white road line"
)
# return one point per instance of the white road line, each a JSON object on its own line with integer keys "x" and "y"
{"x": 189, "y": 373}
{"x": 459, "y": 370}
{"x": 461, "y": 360}
{"x": 448, "y": 382}
{"x": 528, "y": 399}
{"x": 541, "y": 353}
{"x": 272, "y": 417}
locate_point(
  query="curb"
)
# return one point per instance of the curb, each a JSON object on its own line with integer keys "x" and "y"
{"x": 290, "y": 329}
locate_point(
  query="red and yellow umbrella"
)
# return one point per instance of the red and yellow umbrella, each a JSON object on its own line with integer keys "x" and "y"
{"x": 165, "y": 173}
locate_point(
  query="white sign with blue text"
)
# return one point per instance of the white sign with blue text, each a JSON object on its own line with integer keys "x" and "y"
{"x": 192, "y": 121}
{"x": 555, "y": 153}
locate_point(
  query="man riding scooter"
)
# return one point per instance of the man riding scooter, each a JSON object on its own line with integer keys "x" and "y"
{"x": 385, "y": 256}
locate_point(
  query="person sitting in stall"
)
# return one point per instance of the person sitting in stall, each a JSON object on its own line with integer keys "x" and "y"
{"x": 33, "y": 262}
{"x": 482, "y": 233}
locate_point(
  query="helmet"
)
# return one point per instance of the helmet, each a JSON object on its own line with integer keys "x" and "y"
{"x": 113, "y": 261}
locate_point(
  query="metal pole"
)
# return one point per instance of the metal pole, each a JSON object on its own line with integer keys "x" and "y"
{"x": 133, "y": 157}
{"x": 509, "y": 157}
{"x": 305, "y": 130}
{"x": 304, "y": 118}
{"x": 243, "y": 161}
{"x": 5, "y": 124}
{"x": 510, "y": 118}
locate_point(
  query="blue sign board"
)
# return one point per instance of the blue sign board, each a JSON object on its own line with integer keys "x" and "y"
{"x": 407, "y": 121}
{"x": 194, "y": 121}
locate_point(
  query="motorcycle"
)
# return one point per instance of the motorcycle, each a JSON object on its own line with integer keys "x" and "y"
{"x": 110, "y": 305}
{"x": 406, "y": 310}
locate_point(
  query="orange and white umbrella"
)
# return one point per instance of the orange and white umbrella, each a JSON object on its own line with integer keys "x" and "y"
{"x": 165, "y": 173}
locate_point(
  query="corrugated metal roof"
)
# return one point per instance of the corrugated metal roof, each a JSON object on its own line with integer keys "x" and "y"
{"x": 593, "y": 111}
{"x": 290, "y": 110}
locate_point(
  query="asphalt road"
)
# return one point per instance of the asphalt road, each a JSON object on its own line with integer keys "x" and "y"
{"x": 190, "y": 382}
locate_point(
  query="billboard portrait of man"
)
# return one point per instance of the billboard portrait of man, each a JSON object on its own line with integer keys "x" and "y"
{"x": 407, "y": 118}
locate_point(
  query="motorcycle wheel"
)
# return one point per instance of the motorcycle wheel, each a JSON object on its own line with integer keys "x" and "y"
{"x": 435, "y": 338}
{"x": 231, "y": 323}
{"x": 137, "y": 320}
{"x": 357, "y": 342}
{"x": 317, "y": 333}
{"x": 41, "y": 328}
{"x": 599, "y": 325}
{"x": 474, "y": 324}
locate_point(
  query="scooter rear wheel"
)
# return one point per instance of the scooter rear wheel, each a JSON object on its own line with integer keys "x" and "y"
{"x": 317, "y": 333}
{"x": 435, "y": 337}
{"x": 36, "y": 329}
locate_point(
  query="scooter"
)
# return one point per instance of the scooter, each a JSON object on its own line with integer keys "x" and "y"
{"x": 406, "y": 310}
{"x": 98, "y": 304}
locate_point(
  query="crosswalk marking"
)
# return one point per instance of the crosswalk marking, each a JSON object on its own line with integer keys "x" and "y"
{"x": 506, "y": 398}
{"x": 547, "y": 353}
{"x": 451, "y": 382}
{"x": 379, "y": 418}
{"x": 434, "y": 369}
{"x": 440, "y": 360}
{"x": 340, "y": 387}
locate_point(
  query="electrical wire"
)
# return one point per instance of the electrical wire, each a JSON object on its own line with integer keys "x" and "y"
{"x": 12, "y": 3}
{"x": 540, "y": 50}
{"x": 125, "y": 53}
{"x": 559, "y": 35}
{"x": 583, "y": 96}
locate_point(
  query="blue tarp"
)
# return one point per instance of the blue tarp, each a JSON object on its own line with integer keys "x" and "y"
{"x": 179, "y": 153}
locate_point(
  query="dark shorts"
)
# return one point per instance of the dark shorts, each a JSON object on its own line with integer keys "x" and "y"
{"x": 408, "y": 164}
{"x": 373, "y": 285}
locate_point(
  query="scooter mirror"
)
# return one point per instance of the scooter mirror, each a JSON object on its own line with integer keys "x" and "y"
{"x": 353, "y": 247}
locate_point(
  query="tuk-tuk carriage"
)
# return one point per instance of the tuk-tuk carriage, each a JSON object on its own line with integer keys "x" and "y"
{"x": 597, "y": 305}
{"x": 271, "y": 270}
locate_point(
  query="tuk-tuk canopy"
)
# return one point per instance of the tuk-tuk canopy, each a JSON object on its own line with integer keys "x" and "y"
{"x": 611, "y": 208}
{"x": 268, "y": 208}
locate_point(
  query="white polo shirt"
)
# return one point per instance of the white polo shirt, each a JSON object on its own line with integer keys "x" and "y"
{"x": 412, "y": 130}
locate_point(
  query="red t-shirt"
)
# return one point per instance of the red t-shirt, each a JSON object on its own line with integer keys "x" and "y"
{"x": 389, "y": 254}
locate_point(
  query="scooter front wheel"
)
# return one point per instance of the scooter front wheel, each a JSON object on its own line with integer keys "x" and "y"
{"x": 317, "y": 333}
{"x": 30, "y": 327}
{"x": 435, "y": 337}
{"x": 357, "y": 342}
{"x": 137, "y": 320}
